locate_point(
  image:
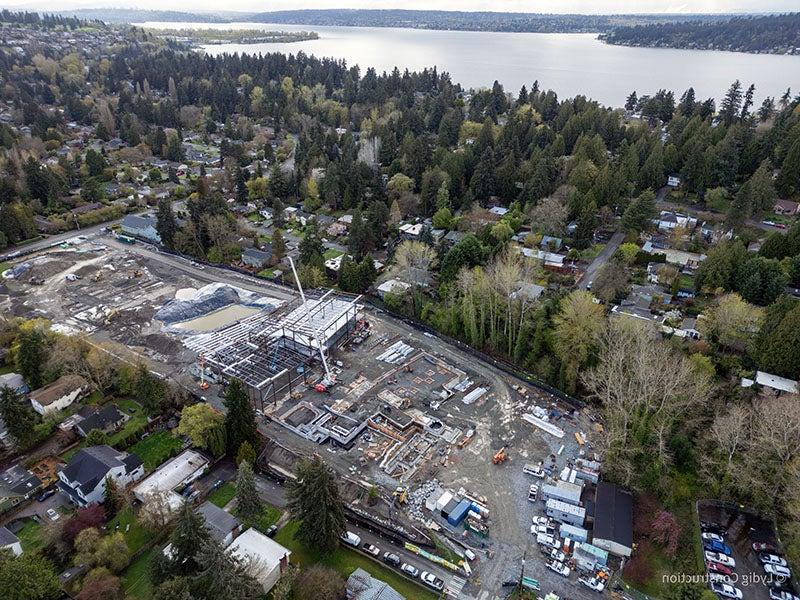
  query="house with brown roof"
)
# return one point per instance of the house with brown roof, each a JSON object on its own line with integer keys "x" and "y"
{"x": 786, "y": 207}
{"x": 59, "y": 394}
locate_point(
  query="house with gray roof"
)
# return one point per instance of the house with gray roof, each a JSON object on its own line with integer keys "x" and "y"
{"x": 108, "y": 419}
{"x": 9, "y": 541}
{"x": 363, "y": 586}
{"x": 141, "y": 226}
{"x": 17, "y": 484}
{"x": 257, "y": 259}
{"x": 221, "y": 525}
{"x": 83, "y": 480}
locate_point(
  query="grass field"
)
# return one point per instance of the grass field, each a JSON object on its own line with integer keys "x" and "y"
{"x": 135, "y": 533}
{"x": 269, "y": 517}
{"x": 136, "y": 422}
{"x": 345, "y": 561}
{"x": 223, "y": 494}
{"x": 331, "y": 253}
{"x": 30, "y": 536}
{"x": 136, "y": 579}
{"x": 156, "y": 448}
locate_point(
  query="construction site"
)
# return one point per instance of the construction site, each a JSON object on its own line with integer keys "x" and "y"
{"x": 433, "y": 444}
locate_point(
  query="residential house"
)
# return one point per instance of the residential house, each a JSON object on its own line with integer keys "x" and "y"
{"x": 690, "y": 260}
{"x": 453, "y": 237}
{"x": 59, "y": 394}
{"x": 669, "y": 220}
{"x": 265, "y": 559}
{"x": 613, "y": 519}
{"x": 108, "y": 419}
{"x": 222, "y": 525}
{"x": 550, "y": 243}
{"x": 673, "y": 181}
{"x": 8, "y": 541}
{"x": 176, "y": 473}
{"x": 141, "y": 226}
{"x": 548, "y": 259}
{"x": 772, "y": 384}
{"x": 392, "y": 286}
{"x": 363, "y": 586}
{"x": 257, "y": 259}
{"x": 411, "y": 231}
{"x": 17, "y": 484}
{"x": 83, "y": 479}
{"x": 786, "y": 207}
{"x": 15, "y": 381}
{"x": 530, "y": 291}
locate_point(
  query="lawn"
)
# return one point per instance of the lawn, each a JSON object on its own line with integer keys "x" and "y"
{"x": 345, "y": 561}
{"x": 136, "y": 422}
{"x": 267, "y": 273}
{"x": 135, "y": 533}
{"x": 223, "y": 494}
{"x": 269, "y": 517}
{"x": 331, "y": 253}
{"x": 136, "y": 579}
{"x": 255, "y": 218}
{"x": 30, "y": 536}
{"x": 156, "y": 448}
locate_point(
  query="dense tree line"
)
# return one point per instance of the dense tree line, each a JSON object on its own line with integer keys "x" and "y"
{"x": 778, "y": 34}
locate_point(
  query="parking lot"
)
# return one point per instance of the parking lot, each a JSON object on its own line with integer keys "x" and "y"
{"x": 740, "y": 530}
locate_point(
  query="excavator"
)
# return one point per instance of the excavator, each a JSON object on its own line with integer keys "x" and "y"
{"x": 500, "y": 456}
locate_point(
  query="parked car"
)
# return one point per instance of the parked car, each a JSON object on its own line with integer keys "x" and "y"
{"x": 558, "y": 567}
{"x": 370, "y": 549}
{"x": 777, "y": 571}
{"x": 432, "y": 580}
{"x": 720, "y": 558}
{"x": 768, "y": 558}
{"x": 46, "y": 494}
{"x": 779, "y": 594}
{"x": 548, "y": 541}
{"x": 544, "y": 529}
{"x": 712, "y": 527}
{"x": 717, "y": 547}
{"x": 593, "y": 583}
{"x": 53, "y": 514}
{"x": 542, "y": 520}
{"x": 707, "y": 536}
{"x": 713, "y": 567}
{"x": 532, "y": 492}
{"x": 764, "y": 547}
{"x": 392, "y": 559}
{"x": 271, "y": 531}
{"x": 409, "y": 570}
{"x": 350, "y": 538}
{"x": 726, "y": 590}
{"x": 556, "y": 554}
{"x": 718, "y": 577}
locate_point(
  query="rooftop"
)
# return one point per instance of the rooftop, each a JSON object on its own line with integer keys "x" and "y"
{"x": 60, "y": 387}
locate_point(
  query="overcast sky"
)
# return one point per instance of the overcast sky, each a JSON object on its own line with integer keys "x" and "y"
{"x": 549, "y": 6}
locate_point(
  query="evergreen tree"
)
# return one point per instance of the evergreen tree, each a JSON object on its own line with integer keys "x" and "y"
{"x": 278, "y": 246}
{"x": 246, "y": 453}
{"x": 17, "y": 415}
{"x": 248, "y": 505}
{"x": 113, "y": 498}
{"x": 315, "y": 502}
{"x": 311, "y": 247}
{"x": 31, "y": 355}
{"x": 166, "y": 224}
{"x": 640, "y": 213}
{"x": 240, "y": 419}
{"x": 187, "y": 537}
{"x": 731, "y": 104}
{"x": 789, "y": 178}
{"x": 223, "y": 576}
{"x": 97, "y": 437}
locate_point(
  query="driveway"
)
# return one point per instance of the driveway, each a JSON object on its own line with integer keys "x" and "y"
{"x": 602, "y": 258}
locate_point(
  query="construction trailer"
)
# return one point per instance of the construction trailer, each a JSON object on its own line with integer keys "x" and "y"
{"x": 272, "y": 351}
{"x": 563, "y": 491}
{"x": 566, "y": 513}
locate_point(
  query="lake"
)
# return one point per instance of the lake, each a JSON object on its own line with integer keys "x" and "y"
{"x": 568, "y": 63}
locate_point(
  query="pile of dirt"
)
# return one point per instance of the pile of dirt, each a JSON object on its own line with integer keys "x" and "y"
{"x": 210, "y": 298}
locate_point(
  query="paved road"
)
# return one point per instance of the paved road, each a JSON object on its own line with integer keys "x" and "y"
{"x": 602, "y": 258}
{"x": 204, "y": 273}
{"x": 54, "y": 240}
{"x": 703, "y": 213}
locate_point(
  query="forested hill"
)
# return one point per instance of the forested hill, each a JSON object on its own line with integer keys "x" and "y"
{"x": 136, "y": 15}
{"x": 470, "y": 21}
{"x": 772, "y": 34}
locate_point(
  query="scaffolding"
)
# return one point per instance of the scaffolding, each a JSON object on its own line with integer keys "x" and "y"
{"x": 271, "y": 351}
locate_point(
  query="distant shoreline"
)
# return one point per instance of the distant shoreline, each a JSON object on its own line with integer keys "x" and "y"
{"x": 218, "y": 36}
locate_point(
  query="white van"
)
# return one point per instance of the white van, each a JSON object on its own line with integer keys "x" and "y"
{"x": 348, "y": 537}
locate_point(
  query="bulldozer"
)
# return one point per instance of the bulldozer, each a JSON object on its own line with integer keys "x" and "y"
{"x": 401, "y": 494}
